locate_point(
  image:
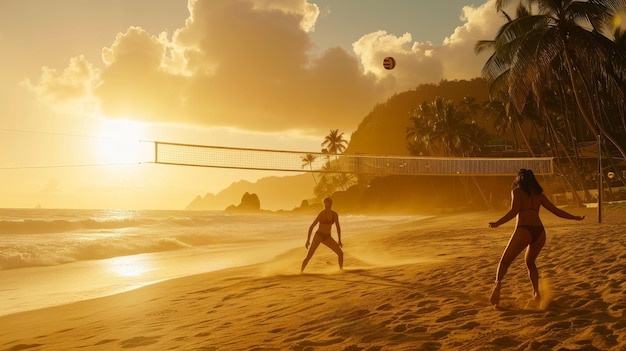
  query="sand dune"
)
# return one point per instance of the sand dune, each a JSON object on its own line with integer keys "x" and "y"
{"x": 419, "y": 286}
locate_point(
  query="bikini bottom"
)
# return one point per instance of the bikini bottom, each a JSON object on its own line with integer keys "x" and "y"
{"x": 323, "y": 236}
{"x": 535, "y": 231}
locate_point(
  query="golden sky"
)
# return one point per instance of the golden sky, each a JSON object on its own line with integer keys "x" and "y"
{"x": 82, "y": 82}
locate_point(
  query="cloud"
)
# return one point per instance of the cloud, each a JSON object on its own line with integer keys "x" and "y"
{"x": 308, "y": 12}
{"x": 424, "y": 62}
{"x": 415, "y": 62}
{"x": 480, "y": 24}
{"x": 139, "y": 81}
{"x": 250, "y": 64}
{"x": 67, "y": 90}
{"x": 253, "y": 69}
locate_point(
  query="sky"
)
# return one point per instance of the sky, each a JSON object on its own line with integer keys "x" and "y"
{"x": 86, "y": 85}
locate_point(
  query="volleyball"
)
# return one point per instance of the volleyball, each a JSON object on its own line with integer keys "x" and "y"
{"x": 611, "y": 175}
{"x": 389, "y": 63}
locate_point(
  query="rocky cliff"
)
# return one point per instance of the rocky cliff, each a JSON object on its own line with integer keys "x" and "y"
{"x": 277, "y": 193}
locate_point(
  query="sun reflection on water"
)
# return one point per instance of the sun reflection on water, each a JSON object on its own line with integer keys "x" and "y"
{"x": 129, "y": 266}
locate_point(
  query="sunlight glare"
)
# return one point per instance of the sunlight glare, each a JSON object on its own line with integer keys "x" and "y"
{"x": 129, "y": 266}
{"x": 120, "y": 141}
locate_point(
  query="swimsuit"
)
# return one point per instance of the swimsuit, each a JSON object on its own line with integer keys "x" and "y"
{"x": 532, "y": 206}
{"x": 325, "y": 220}
{"x": 535, "y": 230}
{"x": 323, "y": 236}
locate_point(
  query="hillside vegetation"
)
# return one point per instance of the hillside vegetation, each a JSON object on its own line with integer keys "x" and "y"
{"x": 382, "y": 132}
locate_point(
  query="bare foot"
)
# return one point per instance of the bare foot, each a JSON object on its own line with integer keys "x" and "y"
{"x": 536, "y": 296}
{"x": 495, "y": 294}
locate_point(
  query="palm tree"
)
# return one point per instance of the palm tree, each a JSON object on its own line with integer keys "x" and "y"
{"x": 328, "y": 183}
{"x": 470, "y": 105}
{"x": 496, "y": 110}
{"x": 451, "y": 129}
{"x": 418, "y": 132}
{"x": 334, "y": 142}
{"x": 552, "y": 50}
{"x": 307, "y": 160}
{"x": 441, "y": 128}
{"x": 475, "y": 137}
{"x": 560, "y": 46}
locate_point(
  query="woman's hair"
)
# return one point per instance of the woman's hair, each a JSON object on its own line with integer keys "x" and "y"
{"x": 526, "y": 181}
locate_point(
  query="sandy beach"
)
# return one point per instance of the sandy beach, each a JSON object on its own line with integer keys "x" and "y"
{"x": 417, "y": 286}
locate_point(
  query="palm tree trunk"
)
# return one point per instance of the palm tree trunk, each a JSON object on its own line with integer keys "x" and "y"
{"x": 520, "y": 127}
{"x": 569, "y": 158}
{"x": 583, "y": 111}
{"x": 313, "y": 173}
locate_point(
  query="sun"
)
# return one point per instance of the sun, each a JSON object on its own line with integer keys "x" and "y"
{"x": 121, "y": 141}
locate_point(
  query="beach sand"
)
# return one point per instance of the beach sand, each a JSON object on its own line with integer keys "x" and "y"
{"x": 418, "y": 286}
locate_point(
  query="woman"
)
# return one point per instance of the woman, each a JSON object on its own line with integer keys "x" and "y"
{"x": 326, "y": 219}
{"x": 527, "y": 197}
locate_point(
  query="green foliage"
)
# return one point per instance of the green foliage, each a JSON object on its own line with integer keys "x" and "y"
{"x": 555, "y": 65}
{"x": 334, "y": 142}
{"x": 330, "y": 180}
{"x": 440, "y": 128}
{"x": 383, "y": 130}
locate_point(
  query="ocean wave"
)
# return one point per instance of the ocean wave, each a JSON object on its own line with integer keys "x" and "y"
{"x": 42, "y": 226}
{"x": 31, "y": 226}
{"x": 32, "y": 238}
{"x": 60, "y": 252}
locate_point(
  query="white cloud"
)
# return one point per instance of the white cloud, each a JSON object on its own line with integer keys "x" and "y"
{"x": 457, "y": 49}
{"x": 423, "y": 62}
{"x": 308, "y": 12}
{"x": 414, "y": 61}
{"x": 250, "y": 64}
{"x": 67, "y": 90}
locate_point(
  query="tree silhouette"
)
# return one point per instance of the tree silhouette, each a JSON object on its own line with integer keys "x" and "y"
{"x": 334, "y": 142}
{"x": 555, "y": 56}
{"x": 440, "y": 128}
{"x": 307, "y": 160}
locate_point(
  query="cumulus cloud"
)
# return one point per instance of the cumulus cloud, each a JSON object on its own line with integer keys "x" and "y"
{"x": 67, "y": 90}
{"x": 308, "y": 12}
{"x": 137, "y": 82}
{"x": 424, "y": 62}
{"x": 415, "y": 62}
{"x": 251, "y": 64}
{"x": 480, "y": 24}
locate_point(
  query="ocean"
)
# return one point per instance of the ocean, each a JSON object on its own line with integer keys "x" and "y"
{"x": 57, "y": 256}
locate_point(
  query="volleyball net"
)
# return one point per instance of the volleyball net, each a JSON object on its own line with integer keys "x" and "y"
{"x": 303, "y": 161}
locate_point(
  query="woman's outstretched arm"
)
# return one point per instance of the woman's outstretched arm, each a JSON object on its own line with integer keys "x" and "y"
{"x": 515, "y": 206}
{"x": 557, "y": 211}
